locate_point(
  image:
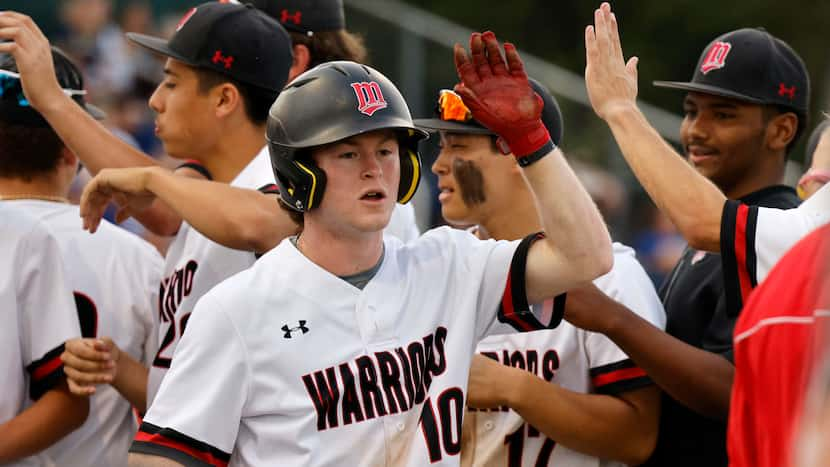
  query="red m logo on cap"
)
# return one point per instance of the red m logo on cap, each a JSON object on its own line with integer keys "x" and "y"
{"x": 786, "y": 91}
{"x": 716, "y": 58}
{"x": 295, "y": 18}
{"x": 369, "y": 97}
{"x": 219, "y": 58}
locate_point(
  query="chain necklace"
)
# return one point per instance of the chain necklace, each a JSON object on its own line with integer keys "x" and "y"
{"x": 57, "y": 199}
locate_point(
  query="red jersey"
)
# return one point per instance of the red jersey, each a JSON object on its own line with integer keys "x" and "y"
{"x": 776, "y": 341}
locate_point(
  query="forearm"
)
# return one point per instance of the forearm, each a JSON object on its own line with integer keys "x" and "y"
{"x": 144, "y": 460}
{"x": 93, "y": 143}
{"x": 691, "y": 201}
{"x": 237, "y": 218}
{"x": 575, "y": 231}
{"x": 50, "y": 418}
{"x": 696, "y": 378}
{"x": 597, "y": 425}
{"x": 131, "y": 381}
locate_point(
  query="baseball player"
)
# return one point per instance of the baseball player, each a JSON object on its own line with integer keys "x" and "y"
{"x": 114, "y": 276}
{"x": 361, "y": 357}
{"x": 36, "y": 407}
{"x": 749, "y": 238}
{"x": 575, "y": 398}
{"x": 236, "y": 218}
{"x": 212, "y": 105}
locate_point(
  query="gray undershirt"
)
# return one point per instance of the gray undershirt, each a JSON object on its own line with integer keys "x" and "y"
{"x": 360, "y": 279}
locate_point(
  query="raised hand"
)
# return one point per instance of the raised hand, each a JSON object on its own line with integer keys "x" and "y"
{"x": 611, "y": 82}
{"x": 89, "y": 362}
{"x": 499, "y": 95}
{"x": 33, "y": 55}
{"x": 127, "y": 187}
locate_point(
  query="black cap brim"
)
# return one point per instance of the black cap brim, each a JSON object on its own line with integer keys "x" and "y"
{"x": 158, "y": 45}
{"x": 706, "y": 89}
{"x": 436, "y": 124}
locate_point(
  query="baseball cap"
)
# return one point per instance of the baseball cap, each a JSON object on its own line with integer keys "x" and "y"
{"x": 451, "y": 114}
{"x": 750, "y": 65}
{"x": 304, "y": 16}
{"x": 15, "y": 108}
{"x": 235, "y": 40}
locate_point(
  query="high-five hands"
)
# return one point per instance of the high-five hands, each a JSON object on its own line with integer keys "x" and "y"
{"x": 611, "y": 82}
{"x": 499, "y": 95}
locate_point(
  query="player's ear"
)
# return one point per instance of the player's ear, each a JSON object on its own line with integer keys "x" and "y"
{"x": 227, "y": 99}
{"x": 781, "y": 130}
{"x": 302, "y": 59}
{"x": 67, "y": 157}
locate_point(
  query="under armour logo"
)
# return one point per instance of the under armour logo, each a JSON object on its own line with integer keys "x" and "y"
{"x": 716, "y": 58}
{"x": 302, "y": 327}
{"x": 369, "y": 97}
{"x": 295, "y": 18}
{"x": 218, "y": 57}
{"x": 786, "y": 91}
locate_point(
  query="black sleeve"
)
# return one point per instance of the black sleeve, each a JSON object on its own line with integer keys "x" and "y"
{"x": 717, "y": 337}
{"x": 514, "y": 309}
{"x": 737, "y": 244}
{"x": 171, "y": 444}
{"x": 45, "y": 373}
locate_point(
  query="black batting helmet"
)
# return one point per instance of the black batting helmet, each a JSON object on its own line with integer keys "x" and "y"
{"x": 329, "y": 103}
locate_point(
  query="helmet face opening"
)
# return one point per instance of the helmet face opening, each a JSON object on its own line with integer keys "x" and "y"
{"x": 329, "y": 103}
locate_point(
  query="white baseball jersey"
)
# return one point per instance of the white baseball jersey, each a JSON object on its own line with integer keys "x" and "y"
{"x": 287, "y": 364}
{"x": 114, "y": 276}
{"x": 38, "y": 315}
{"x": 195, "y": 264}
{"x": 573, "y": 358}
{"x": 754, "y": 238}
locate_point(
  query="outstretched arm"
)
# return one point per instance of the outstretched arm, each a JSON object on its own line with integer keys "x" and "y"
{"x": 235, "y": 217}
{"x": 622, "y": 427}
{"x": 577, "y": 247}
{"x": 54, "y": 415}
{"x": 698, "y": 379}
{"x": 96, "y": 146}
{"x": 668, "y": 179}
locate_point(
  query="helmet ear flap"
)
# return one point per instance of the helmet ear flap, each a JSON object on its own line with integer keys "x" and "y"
{"x": 314, "y": 181}
{"x": 300, "y": 181}
{"x": 410, "y": 174}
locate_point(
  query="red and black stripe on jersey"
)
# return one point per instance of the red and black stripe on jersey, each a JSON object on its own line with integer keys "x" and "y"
{"x": 171, "y": 444}
{"x": 514, "y": 309}
{"x": 45, "y": 373}
{"x": 737, "y": 232}
{"x": 270, "y": 189}
{"x": 618, "y": 377}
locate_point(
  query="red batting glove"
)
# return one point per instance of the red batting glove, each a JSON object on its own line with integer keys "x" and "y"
{"x": 499, "y": 95}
